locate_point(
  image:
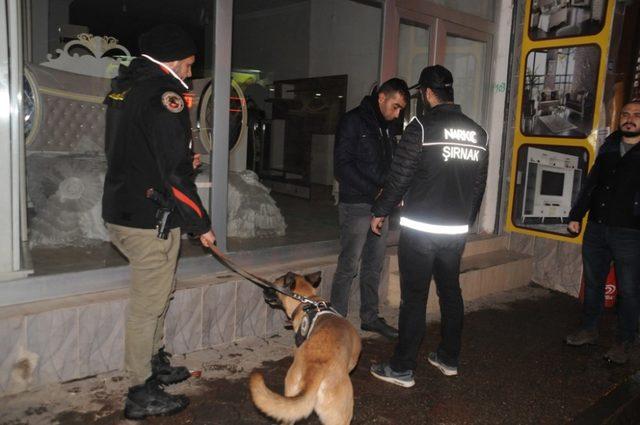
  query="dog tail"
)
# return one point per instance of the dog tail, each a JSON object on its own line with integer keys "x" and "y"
{"x": 287, "y": 409}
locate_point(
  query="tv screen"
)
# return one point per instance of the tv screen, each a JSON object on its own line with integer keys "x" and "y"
{"x": 552, "y": 183}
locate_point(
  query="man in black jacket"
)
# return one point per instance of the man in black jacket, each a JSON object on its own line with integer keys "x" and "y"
{"x": 147, "y": 144}
{"x": 440, "y": 170}
{"x": 611, "y": 194}
{"x": 362, "y": 155}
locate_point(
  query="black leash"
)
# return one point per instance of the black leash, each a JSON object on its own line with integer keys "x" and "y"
{"x": 260, "y": 281}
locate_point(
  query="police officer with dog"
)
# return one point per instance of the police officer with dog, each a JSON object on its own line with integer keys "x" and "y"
{"x": 439, "y": 170}
{"x": 149, "y": 199}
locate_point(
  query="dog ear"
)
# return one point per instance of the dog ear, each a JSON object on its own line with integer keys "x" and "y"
{"x": 314, "y": 278}
{"x": 290, "y": 280}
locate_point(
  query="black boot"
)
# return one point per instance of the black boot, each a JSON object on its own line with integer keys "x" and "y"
{"x": 164, "y": 372}
{"x": 149, "y": 399}
{"x": 380, "y": 326}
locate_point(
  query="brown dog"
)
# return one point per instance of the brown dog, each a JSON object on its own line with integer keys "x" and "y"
{"x": 318, "y": 379}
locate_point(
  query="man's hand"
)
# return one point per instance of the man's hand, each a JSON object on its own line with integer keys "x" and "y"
{"x": 208, "y": 239}
{"x": 376, "y": 224}
{"x": 197, "y": 162}
{"x": 574, "y": 227}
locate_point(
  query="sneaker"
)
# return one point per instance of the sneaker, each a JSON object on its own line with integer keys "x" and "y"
{"x": 582, "y": 337}
{"x": 445, "y": 369}
{"x": 380, "y": 326}
{"x": 149, "y": 399}
{"x": 164, "y": 372}
{"x": 384, "y": 372}
{"x": 619, "y": 353}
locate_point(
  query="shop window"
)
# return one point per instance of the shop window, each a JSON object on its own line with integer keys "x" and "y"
{"x": 560, "y": 91}
{"x": 300, "y": 65}
{"x": 548, "y": 180}
{"x": 72, "y": 49}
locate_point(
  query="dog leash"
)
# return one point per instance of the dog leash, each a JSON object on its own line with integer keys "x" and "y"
{"x": 260, "y": 281}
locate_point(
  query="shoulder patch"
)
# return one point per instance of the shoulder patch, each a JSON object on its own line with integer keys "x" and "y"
{"x": 172, "y": 101}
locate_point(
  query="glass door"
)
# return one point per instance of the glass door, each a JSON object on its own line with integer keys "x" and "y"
{"x": 419, "y": 34}
{"x": 465, "y": 54}
{"x": 414, "y": 39}
{"x": 414, "y": 45}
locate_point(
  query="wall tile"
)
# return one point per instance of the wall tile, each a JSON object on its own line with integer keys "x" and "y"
{"x": 183, "y": 325}
{"x": 276, "y": 320}
{"x": 545, "y": 260}
{"x": 12, "y": 335}
{"x": 569, "y": 266}
{"x": 218, "y": 314}
{"x": 251, "y": 311}
{"x": 557, "y": 265}
{"x": 521, "y": 243}
{"x": 53, "y": 336}
{"x": 101, "y": 337}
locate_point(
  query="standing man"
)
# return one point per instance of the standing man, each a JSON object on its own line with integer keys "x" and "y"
{"x": 611, "y": 194}
{"x": 362, "y": 155}
{"x": 148, "y": 136}
{"x": 440, "y": 170}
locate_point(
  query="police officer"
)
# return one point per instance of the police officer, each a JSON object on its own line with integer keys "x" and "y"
{"x": 148, "y": 151}
{"x": 439, "y": 169}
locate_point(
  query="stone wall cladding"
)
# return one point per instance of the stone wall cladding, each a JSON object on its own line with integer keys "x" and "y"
{"x": 70, "y": 343}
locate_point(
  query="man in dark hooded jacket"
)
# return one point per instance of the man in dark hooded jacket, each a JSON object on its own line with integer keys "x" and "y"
{"x": 147, "y": 144}
{"x": 362, "y": 156}
{"x": 611, "y": 195}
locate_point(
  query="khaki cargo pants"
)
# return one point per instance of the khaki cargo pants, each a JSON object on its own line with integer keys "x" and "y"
{"x": 153, "y": 265}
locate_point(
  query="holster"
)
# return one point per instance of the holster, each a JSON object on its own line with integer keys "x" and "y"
{"x": 163, "y": 213}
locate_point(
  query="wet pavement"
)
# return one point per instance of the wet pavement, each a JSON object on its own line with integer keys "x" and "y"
{"x": 514, "y": 369}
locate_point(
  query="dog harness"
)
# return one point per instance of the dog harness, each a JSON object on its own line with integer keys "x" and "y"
{"x": 311, "y": 314}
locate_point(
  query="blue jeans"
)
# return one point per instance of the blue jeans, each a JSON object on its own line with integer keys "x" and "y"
{"x": 421, "y": 256}
{"x": 601, "y": 245}
{"x": 359, "y": 245}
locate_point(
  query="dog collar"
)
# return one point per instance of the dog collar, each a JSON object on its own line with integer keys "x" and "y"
{"x": 311, "y": 314}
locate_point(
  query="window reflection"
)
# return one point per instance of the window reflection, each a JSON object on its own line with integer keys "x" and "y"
{"x": 71, "y": 52}
{"x": 301, "y": 65}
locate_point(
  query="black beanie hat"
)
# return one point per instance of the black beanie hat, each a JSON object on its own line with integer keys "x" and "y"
{"x": 434, "y": 77}
{"x": 167, "y": 43}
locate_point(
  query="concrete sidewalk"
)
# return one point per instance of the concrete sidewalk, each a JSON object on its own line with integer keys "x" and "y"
{"x": 515, "y": 369}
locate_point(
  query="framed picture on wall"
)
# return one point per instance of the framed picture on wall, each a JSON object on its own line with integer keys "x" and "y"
{"x": 551, "y": 19}
{"x": 558, "y": 97}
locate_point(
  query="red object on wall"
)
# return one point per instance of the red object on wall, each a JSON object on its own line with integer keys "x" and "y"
{"x": 610, "y": 289}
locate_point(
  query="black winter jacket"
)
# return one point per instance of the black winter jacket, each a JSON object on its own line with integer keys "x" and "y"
{"x": 362, "y": 152}
{"x": 611, "y": 192}
{"x": 147, "y": 144}
{"x": 440, "y": 169}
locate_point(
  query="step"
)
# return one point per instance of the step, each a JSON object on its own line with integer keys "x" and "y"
{"x": 480, "y": 275}
{"x": 476, "y": 244}
{"x": 482, "y": 244}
